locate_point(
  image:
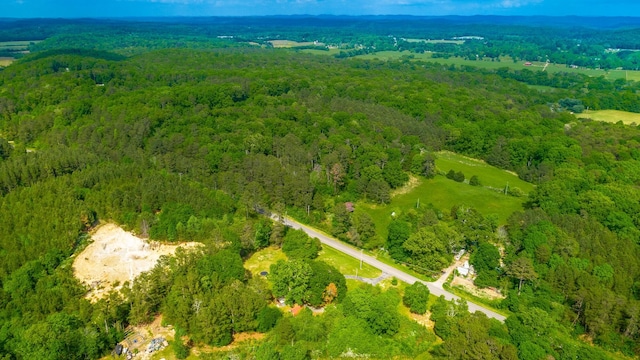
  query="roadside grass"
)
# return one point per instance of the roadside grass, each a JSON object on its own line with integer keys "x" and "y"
{"x": 487, "y": 174}
{"x": 612, "y": 116}
{"x": 262, "y": 260}
{"x": 384, "y": 257}
{"x": 346, "y": 264}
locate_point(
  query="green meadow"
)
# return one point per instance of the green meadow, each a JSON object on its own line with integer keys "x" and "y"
{"x": 488, "y": 175}
{"x": 612, "y": 116}
{"x": 263, "y": 259}
{"x": 443, "y": 193}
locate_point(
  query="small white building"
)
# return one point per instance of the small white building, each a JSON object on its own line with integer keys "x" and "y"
{"x": 466, "y": 269}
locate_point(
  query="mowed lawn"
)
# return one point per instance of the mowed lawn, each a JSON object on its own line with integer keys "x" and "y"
{"x": 444, "y": 193}
{"x": 262, "y": 260}
{"x": 612, "y": 116}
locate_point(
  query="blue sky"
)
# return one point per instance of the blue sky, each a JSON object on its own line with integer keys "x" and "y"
{"x": 126, "y": 8}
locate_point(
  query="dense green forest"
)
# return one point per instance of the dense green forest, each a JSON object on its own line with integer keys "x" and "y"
{"x": 195, "y": 144}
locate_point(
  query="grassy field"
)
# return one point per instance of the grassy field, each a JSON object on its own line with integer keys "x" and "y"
{"x": 17, "y": 45}
{"x": 612, "y": 116}
{"x": 14, "y": 46}
{"x": 429, "y": 41}
{"x": 504, "y": 62}
{"x": 444, "y": 193}
{"x": 488, "y": 175}
{"x": 321, "y": 52}
{"x": 262, "y": 260}
{"x": 291, "y": 43}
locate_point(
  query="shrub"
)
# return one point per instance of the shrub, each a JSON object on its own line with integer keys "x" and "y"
{"x": 474, "y": 181}
{"x": 451, "y": 174}
{"x": 416, "y": 297}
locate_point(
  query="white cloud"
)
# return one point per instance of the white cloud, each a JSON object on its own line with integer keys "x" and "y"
{"x": 518, "y": 3}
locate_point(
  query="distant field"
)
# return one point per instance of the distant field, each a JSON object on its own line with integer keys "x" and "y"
{"x": 429, "y": 41}
{"x": 542, "y": 88}
{"x": 444, "y": 193}
{"x": 488, "y": 175}
{"x": 290, "y": 43}
{"x": 612, "y": 116}
{"x": 321, "y": 52}
{"x": 504, "y": 62}
{"x": 16, "y": 45}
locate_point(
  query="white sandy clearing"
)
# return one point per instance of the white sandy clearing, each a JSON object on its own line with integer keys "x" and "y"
{"x": 116, "y": 256}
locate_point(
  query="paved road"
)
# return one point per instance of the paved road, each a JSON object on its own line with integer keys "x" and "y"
{"x": 435, "y": 287}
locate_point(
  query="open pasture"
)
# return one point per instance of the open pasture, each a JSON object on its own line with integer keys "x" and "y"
{"x": 431, "y": 41}
{"x": 443, "y": 194}
{"x": 488, "y": 175}
{"x": 612, "y": 116}
{"x": 292, "y": 44}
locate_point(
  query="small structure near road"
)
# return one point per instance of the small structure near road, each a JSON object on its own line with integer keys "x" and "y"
{"x": 466, "y": 269}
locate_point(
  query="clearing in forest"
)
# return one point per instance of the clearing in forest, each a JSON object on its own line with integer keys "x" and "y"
{"x": 487, "y": 174}
{"x": 116, "y": 256}
{"x": 445, "y": 193}
{"x": 612, "y": 116}
{"x": 291, "y": 43}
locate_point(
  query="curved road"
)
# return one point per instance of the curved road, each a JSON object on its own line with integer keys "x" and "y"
{"x": 435, "y": 287}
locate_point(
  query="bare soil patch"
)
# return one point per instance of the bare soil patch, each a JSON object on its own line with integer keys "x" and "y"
{"x": 116, "y": 256}
{"x": 423, "y": 320}
{"x": 408, "y": 187}
{"x": 471, "y": 288}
